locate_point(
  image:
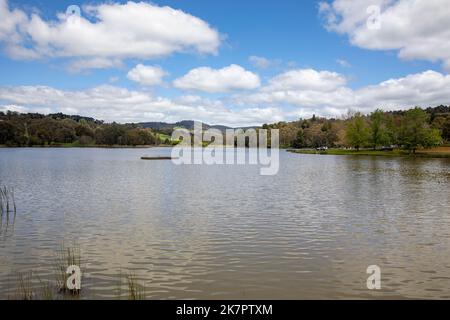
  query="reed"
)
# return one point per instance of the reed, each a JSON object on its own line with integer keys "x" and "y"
{"x": 66, "y": 257}
{"x": 135, "y": 290}
{"x": 25, "y": 286}
{"x": 47, "y": 293}
{"x": 26, "y": 290}
{"x": 119, "y": 286}
{"x": 46, "y": 290}
{"x": 7, "y": 200}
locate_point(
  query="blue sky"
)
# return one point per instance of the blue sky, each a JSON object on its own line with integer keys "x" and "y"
{"x": 289, "y": 36}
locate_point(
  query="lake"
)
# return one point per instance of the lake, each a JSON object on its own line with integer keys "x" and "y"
{"x": 226, "y": 232}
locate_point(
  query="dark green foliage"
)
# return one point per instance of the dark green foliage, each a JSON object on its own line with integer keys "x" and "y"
{"x": 400, "y": 128}
{"x": 377, "y": 130}
{"x": 300, "y": 142}
{"x": 58, "y": 129}
{"x": 446, "y": 130}
{"x": 415, "y": 131}
{"x": 379, "y": 133}
{"x": 358, "y": 133}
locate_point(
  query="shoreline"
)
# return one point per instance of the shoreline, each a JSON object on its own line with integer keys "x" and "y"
{"x": 86, "y": 147}
{"x": 374, "y": 153}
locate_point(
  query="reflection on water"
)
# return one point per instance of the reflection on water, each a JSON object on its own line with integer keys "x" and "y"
{"x": 212, "y": 232}
{"x": 7, "y": 221}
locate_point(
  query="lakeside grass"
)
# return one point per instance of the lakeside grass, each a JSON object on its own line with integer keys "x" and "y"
{"x": 29, "y": 286}
{"x": 102, "y": 146}
{"x": 431, "y": 153}
{"x": 136, "y": 291}
{"x": 67, "y": 256}
{"x": 7, "y": 201}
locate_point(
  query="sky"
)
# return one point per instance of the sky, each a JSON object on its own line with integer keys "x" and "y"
{"x": 236, "y": 63}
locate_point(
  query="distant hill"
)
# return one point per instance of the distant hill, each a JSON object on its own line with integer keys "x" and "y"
{"x": 187, "y": 124}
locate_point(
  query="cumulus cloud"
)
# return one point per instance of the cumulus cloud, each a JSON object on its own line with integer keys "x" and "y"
{"x": 429, "y": 88}
{"x": 147, "y": 75}
{"x": 271, "y": 103}
{"x": 113, "y": 103}
{"x": 80, "y": 65}
{"x": 11, "y": 19}
{"x": 113, "y": 31}
{"x": 210, "y": 80}
{"x": 327, "y": 93}
{"x": 418, "y": 29}
{"x": 306, "y": 79}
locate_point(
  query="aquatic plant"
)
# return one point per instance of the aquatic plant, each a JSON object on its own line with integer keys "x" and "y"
{"x": 136, "y": 291}
{"x": 119, "y": 286}
{"x": 46, "y": 290}
{"x": 27, "y": 289}
{"x": 67, "y": 256}
{"x": 25, "y": 286}
{"x": 7, "y": 200}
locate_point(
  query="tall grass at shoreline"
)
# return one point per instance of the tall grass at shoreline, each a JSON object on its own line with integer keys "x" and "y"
{"x": 394, "y": 153}
{"x": 25, "y": 286}
{"x": 8, "y": 209}
{"x": 29, "y": 286}
{"x": 7, "y": 200}
{"x": 67, "y": 256}
{"x": 136, "y": 291}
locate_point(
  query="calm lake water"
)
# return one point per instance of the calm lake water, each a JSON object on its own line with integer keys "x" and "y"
{"x": 226, "y": 232}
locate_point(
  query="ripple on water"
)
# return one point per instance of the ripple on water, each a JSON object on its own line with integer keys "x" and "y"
{"x": 225, "y": 231}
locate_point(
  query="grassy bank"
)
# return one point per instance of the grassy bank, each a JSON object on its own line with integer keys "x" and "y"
{"x": 77, "y": 145}
{"x": 428, "y": 153}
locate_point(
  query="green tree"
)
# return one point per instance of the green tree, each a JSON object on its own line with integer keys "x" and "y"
{"x": 378, "y": 132}
{"x": 83, "y": 129}
{"x": 7, "y": 132}
{"x": 357, "y": 131}
{"x": 110, "y": 134}
{"x": 300, "y": 141}
{"x": 415, "y": 131}
{"x": 392, "y": 125}
{"x": 446, "y": 130}
{"x": 329, "y": 133}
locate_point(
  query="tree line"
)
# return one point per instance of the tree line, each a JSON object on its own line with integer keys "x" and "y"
{"x": 411, "y": 129}
{"x": 32, "y": 129}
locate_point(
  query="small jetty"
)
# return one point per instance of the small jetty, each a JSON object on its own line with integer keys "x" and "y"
{"x": 158, "y": 158}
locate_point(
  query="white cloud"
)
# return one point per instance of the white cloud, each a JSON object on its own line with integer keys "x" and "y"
{"x": 10, "y": 21}
{"x": 418, "y": 29}
{"x": 429, "y": 88}
{"x": 306, "y": 79}
{"x": 327, "y": 94}
{"x": 230, "y": 78}
{"x": 114, "y": 31}
{"x": 113, "y": 103}
{"x": 147, "y": 75}
{"x": 94, "y": 63}
{"x": 285, "y": 97}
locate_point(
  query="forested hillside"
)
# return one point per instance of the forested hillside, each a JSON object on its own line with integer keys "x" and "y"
{"x": 409, "y": 129}
{"x": 42, "y": 130}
